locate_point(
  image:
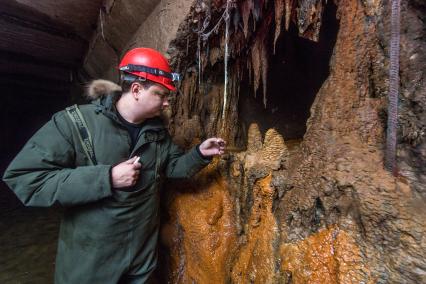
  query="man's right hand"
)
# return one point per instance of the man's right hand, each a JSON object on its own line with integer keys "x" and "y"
{"x": 125, "y": 174}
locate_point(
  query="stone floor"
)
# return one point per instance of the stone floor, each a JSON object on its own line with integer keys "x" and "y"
{"x": 28, "y": 242}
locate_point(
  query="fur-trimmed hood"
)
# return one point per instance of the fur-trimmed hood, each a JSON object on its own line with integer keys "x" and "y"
{"x": 99, "y": 88}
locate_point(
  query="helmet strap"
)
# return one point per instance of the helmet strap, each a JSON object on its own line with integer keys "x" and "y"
{"x": 131, "y": 77}
{"x": 153, "y": 71}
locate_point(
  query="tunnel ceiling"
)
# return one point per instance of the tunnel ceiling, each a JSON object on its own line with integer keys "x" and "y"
{"x": 44, "y": 40}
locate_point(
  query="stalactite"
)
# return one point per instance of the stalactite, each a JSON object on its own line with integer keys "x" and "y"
{"x": 200, "y": 72}
{"x": 246, "y": 9}
{"x": 258, "y": 9}
{"x": 259, "y": 57}
{"x": 205, "y": 55}
{"x": 255, "y": 60}
{"x": 279, "y": 12}
{"x": 309, "y": 18}
{"x": 101, "y": 20}
{"x": 233, "y": 101}
{"x": 250, "y": 43}
{"x": 288, "y": 12}
{"x": 214, "y": 55}
{"x": 265, "y": 64}
{"x": 236, "y": 19}
{"x": 239, "y": 72}
{"x": 190, "y": 90}
{"x": 256, "y": 12}
{"x": 307, "y": 15}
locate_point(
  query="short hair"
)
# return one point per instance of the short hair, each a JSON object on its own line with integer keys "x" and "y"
{"x": 127, "y": 81}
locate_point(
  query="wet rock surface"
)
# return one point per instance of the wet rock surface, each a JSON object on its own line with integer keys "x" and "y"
{"x": 322, "y": 209}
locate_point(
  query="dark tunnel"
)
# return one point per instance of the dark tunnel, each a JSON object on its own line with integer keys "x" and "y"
{"x": 28, "y": 102}
{"x": 42, "y": 48}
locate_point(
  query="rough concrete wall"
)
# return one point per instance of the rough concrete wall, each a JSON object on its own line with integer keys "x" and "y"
{"x": 161, "y": 27}
{"x": 127, "y": 24}
{"x": 117, "y": 22}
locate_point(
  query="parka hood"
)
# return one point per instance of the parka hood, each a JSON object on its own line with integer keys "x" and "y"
{"x": 104, "y": 94}
{"x": 100, "y": 88}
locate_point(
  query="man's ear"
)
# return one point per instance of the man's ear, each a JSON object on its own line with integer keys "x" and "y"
{"x": 135, "y": 89}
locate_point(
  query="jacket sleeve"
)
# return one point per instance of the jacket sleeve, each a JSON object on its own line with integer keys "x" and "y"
{"x": 44, "y": 173}
{"x": 184, "y": 165}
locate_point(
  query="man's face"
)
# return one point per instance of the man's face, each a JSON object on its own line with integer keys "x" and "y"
{"x": 153, "y": 100}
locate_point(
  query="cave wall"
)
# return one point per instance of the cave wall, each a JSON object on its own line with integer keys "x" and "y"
{"x": 324, "y": 210}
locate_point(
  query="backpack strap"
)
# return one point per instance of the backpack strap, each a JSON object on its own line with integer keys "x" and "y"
{"x": 158, "y": 160}
{"x": 80, "y": 125}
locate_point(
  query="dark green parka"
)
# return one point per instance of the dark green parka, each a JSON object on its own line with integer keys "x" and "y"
{"x": 105, "y": 233}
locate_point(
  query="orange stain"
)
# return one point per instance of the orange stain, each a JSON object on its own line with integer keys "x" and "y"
{"x": 209, "y": 234}
{"x": 256, "y": 262}
{"x": 329, "y": 256}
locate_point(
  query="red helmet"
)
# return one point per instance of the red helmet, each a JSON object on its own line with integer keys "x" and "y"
{"x": 148, "y": 64}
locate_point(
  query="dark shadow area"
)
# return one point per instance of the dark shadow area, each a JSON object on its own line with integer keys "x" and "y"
{"x": 29, "y": 235}
{"x": 23, "y": 111}
{"x": 296, "y": 72}
{"x": 42, "y": 46}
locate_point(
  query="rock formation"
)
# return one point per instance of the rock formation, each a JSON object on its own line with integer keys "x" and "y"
{"x": 307, "y": 198}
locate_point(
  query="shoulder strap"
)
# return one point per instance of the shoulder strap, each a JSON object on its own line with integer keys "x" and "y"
{"x": 80, "y": 125}
{"x": 158, "y": 160}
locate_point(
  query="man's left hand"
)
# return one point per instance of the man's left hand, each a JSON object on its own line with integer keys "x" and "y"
{"x": 212, "y": 146}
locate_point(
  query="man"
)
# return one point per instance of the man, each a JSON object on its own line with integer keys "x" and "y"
{"x": 110, "y": 226}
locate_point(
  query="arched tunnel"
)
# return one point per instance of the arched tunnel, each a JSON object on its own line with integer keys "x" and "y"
{"x": 40, "y": 52}
{"x": 297, "y": 89}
